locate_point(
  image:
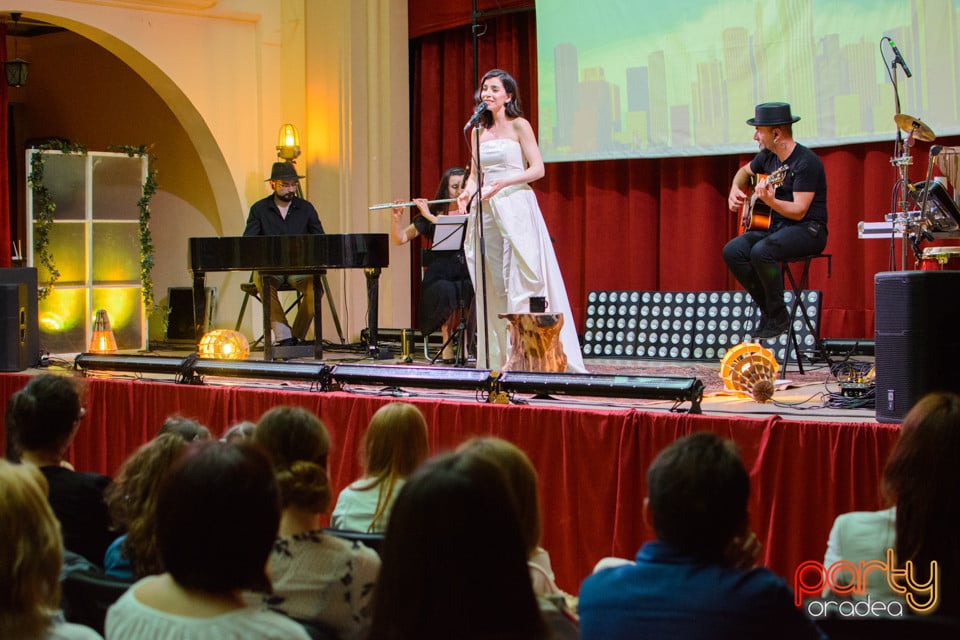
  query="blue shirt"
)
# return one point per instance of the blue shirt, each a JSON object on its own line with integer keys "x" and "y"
{"x": 668, "y": 594}
{"x": 116, "y": 564}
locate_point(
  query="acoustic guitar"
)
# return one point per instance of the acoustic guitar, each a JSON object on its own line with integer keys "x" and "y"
{"x": 755, "y": 214}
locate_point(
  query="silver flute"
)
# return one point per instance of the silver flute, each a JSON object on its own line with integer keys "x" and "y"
{"x": 410, "y": 203}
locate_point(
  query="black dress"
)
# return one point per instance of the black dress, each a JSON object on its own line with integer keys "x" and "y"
{"x": 446, "y": 283}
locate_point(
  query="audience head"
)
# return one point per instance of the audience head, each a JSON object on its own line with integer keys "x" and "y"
{"x": 521, "y": 480}
{"x": 132, "y": 499}
{"x": 394, "y": 446}
{"x": 44, "y": 415}
{"x": 454, "y": 562}
{"x": 217, "y": 517}
{"x": 238, "y": 432}
{"x": 187, "y": 428}
{"x": 298, "y": 444}
{"x": 918, "y": 478}
{"x": 697, "y": 494}
{"x": 31, "y": 553}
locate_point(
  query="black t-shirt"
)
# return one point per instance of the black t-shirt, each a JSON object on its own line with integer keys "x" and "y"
{"x": 77, "y": 501}
{"x": 265, "y": 219}
{"x": 805, "y": 174}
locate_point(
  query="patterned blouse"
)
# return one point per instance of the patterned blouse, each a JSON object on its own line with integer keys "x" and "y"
{"x": 323, "y": 579}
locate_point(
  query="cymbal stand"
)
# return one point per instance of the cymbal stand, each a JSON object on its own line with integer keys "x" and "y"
{"x": 901, "y": 209}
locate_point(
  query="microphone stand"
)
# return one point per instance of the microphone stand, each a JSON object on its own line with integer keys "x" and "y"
{"x": 481, "y": 246}
{"x": 901, "y": 160}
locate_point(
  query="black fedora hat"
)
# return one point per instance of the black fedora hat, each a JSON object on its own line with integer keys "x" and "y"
{"x": 769, "y": 114}
{"x": 283, "y": 171}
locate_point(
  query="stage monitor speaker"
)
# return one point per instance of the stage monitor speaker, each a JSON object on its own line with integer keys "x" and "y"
{"x": 917, "y": 345}
{"x": 180, "y": 327}
{"x": 13, "y": 327}
{"x": 28, "y": 277}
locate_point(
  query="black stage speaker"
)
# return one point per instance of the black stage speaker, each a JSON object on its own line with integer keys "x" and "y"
{"x": 917, "y": 346}
{"x": 180, "y": 327}
{"x": 28, "y": 277}
{"x": 13, "y": 327}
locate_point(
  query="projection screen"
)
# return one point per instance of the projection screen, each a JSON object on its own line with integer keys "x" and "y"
{"x": 634, "y": 79}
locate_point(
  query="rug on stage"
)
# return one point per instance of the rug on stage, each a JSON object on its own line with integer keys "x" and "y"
{"x": 707, "y": 372}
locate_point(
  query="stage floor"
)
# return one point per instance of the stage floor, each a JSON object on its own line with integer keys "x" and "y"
{"x": 815, "y": 394}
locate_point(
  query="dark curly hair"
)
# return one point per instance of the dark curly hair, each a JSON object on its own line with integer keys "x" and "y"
{"x": 132, "y": 500}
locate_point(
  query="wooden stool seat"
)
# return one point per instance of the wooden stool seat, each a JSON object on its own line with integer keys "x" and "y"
{"x": 535, "y": 342}
{"x": 797, "y": 286}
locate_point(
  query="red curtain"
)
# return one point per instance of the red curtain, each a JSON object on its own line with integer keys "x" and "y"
{"x": 645, "y": 223}
{"x": 5, "y": 220}
{"x": 591, "y": 462}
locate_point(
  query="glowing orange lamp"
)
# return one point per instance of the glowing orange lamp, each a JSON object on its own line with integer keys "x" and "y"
{"x": 102, "y": 340}
{"x": 224, "y": 344}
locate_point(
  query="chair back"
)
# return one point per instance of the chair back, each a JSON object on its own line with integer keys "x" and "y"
{"x": 372, "y": 540}
{"x": 316, "y": 630}
{"x": 928, "y": 627}
{"x": 86, "y": 595}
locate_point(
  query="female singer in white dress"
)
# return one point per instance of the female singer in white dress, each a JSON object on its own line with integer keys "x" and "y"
{"x": 519, "y": 257}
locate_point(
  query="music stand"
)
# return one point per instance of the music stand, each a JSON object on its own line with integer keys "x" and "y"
{"x": 449, "y": 232}
{"x": 448, "y": 235}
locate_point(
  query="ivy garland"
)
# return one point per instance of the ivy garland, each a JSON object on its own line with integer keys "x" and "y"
{"x": 143, "y": 207}
{"x": 45, "y": 207}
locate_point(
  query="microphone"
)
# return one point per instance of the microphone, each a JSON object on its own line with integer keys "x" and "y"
{"x": 935, "y": 150}
{"x": 899, "y": 58}
{"x": 475, "y": 118}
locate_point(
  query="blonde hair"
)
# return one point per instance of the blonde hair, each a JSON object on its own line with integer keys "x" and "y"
{"x": 521, "y": 478}
{"x": 31, "y": 553}
{"x": 394, "y": 446}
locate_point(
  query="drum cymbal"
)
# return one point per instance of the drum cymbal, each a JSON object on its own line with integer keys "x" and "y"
{"x": 911, "y": 125}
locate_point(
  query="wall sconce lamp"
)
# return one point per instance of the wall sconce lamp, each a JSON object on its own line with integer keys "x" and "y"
{"x": 102, "y": 340}
{"x": 288, "y": 143}
{"x": 16, "y": 69}
{"x": 224, "y": 344}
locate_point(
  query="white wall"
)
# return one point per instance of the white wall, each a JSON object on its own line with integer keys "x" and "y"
{"x": 209, "y": 83}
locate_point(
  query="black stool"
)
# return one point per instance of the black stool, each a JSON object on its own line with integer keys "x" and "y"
{"x": 250, "y": 291}
{"x": 797, "y": 286}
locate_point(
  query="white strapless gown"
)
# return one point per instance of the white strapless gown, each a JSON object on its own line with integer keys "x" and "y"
{"x": 520, "y": 261}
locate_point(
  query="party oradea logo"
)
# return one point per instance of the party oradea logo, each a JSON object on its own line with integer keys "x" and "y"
{"x": 843, "y": 578}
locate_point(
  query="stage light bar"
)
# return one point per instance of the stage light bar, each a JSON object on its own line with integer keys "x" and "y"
{"x": 263, "y": 369}
{"x": 402, "y": 376}
{"x": 848, "y": 347}
{"x": 130, "y": 363}
{"x": 678, "y": 389}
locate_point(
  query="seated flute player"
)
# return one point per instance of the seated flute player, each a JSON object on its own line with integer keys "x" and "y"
{"x": 446, "y": 297}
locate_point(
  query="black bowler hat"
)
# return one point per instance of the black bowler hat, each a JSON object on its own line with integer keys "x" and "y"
{"x": 769, "y": 114}
{"x": 283, "y": 171}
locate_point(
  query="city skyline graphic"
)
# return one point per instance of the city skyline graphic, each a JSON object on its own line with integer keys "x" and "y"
{"x": 681, "y": 80}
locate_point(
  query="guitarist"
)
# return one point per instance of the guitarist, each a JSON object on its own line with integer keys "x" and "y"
{"x": 798, "y": 220}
